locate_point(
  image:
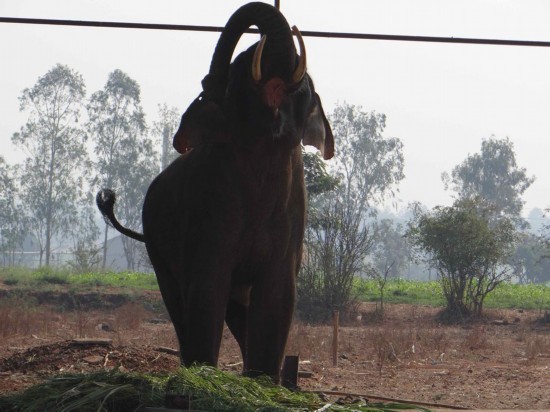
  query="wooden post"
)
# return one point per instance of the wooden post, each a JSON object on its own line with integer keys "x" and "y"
{"x": 335, "y": 322}
{"x": 289, "y": 375}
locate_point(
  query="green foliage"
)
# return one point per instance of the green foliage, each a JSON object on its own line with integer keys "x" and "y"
{"x": 133, "y": 280}
{"x": 391, "y": 251}
{"x": 517, "y": 296}
{"x": 126, "y": 160}
{"x": 505, "y": 296}
{"x": 52, "y": 175}
{"x": 401, "y": 291}
{"x": 10, "y": 280}
{"x": 13, "y": 224}
{"x": 494, "y": 176}
{"x": 29, "y": 278}
{"x": 366, "y": 167}
{"x": 103, "y": 391}
{"x": 206, "y": 388}
{"x": 336, "y": 243}
{"x": 53, "y": 279}
{"x": 368, "y": 164}
{"x": 165, "y": 128}
{"x": 85, "y": 258}
{"x": 529, "y": 259}
{"x": 318, "y": 180}
{"x": 468, "y": 249}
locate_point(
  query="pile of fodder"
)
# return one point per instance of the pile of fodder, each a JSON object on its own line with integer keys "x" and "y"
{"x": 200, "y": 388}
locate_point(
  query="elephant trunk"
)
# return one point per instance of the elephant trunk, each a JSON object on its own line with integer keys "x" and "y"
{"x": 279, "y": 56}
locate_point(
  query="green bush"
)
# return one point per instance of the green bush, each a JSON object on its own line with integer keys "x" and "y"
{"x": 10, "y": 280}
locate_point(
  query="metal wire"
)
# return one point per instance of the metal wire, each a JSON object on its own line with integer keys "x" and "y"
{"x": 358, "y": 36}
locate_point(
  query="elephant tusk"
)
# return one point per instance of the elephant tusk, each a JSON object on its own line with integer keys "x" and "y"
{"x": 300, "y": 71}
{"x": 257, "y": 60}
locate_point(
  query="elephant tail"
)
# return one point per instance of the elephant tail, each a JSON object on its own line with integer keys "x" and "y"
{"x": 105, "y": 200}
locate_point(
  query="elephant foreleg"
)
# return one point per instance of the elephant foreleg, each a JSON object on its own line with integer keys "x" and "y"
{"x": 270, "y": 317}
{"x": 205, "y": 308}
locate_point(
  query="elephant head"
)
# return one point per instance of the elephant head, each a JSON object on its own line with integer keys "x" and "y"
{"x": 266, "y": 93}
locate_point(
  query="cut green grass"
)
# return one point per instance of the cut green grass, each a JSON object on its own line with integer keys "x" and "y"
{"x": 205, "y": 388}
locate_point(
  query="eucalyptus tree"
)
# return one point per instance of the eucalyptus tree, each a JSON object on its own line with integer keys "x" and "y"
{"x": 12, "y": 220}
{"x": 165, "y": 127}
{"x": 493, "y": 175}
{"x": 366, "y": 170}
{"x": 52, "y": 180}
{"x": 392, "y": 252}
{"x": 530, "y": 259}
{"x": 125, "y": 159}
{"x": 369, "y": 164}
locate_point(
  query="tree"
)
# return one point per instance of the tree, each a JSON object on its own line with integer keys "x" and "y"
{"x": 369, "y": 165}
{"x": 468, "y": 248}
{"x": 126, "y": 160}
{"x": 337, "y": 242}
{"x": 165, "y": 128}
{"x": 338, "y": 237}
{"x": 52, "y": 174}
{"x": 528, "y": 260}
{"x": 318, "y": 180}
{"x": 493, "y": 175}
{"x": 83, "y": 237}
{"x": 391, "y": 252}
{"x": 544, "y": 243}
{"x": 12, "y": 221}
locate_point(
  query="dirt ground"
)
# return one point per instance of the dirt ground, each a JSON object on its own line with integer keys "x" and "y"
{"x": 500, "y": 362}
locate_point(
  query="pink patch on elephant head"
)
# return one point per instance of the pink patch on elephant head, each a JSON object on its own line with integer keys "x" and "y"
{"x": 274, "y": 92}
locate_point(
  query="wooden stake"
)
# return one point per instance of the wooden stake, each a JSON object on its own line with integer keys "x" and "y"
{"x": 335, "y": 322}
{"x": 289, "y": 375}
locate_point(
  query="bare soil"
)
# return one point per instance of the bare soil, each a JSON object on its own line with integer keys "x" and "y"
{"x": 499, "y": 362}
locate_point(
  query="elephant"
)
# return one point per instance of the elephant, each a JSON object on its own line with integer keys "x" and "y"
{"x": 224, "y": 223}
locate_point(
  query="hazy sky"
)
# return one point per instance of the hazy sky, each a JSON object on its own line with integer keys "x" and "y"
{"x": 441, "y": 100}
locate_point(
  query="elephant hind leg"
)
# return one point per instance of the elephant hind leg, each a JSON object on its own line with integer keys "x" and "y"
{"x": 169, "y": 289}
{"x": 236, "y": 318}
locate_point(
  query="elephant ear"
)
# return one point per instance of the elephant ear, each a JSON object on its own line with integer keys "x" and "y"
{"x": 203, "y": 121}
{"x": 317, "y": 130}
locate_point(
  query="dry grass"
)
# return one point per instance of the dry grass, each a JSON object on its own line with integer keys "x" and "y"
{"x": 381, "y": 345}
{"x": 130, "y": 316}
{"x": 19, "y": 318}
{"x": 477, "y": 339}
{"x": 537, "y": 346}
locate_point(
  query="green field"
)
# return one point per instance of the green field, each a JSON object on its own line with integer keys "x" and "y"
{"x": 50, "y": 278}
{"x": 505, "y": 296}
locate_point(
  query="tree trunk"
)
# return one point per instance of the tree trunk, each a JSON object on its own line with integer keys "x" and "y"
{"x": 165, "y": 146}
{"x": 48, "y": 247}
{"x": 104, "y": 262}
